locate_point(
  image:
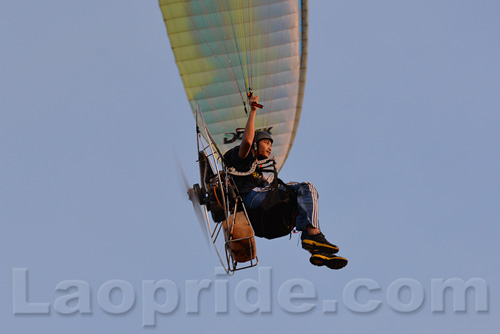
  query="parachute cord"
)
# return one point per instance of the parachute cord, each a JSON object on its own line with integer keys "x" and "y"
{"x": 252, "y": 27}
{"x": 251, "y": 24}
{"x": 227, "y": 68}
{"x": 239, "y": 53}
{"x": 246, "y": 35}
{"x": 222, "y": 51}
{"x": 248, "y": 40}
{"x": 267, "y": 55}
{"x": 233, "y": 37}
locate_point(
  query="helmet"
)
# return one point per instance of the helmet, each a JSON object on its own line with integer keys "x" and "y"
{"x": 259, "y": 135}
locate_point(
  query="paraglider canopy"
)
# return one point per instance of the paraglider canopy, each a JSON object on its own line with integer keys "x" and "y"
{"x": 227, "y": 50}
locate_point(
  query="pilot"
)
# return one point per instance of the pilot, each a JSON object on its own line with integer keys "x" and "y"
{"x": 255, "y": 187}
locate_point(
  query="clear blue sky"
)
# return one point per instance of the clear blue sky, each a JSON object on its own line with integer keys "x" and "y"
{"x": 399, "y": 134}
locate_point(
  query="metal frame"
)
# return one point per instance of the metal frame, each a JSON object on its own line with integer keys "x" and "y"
{"x": 221, "y": 238}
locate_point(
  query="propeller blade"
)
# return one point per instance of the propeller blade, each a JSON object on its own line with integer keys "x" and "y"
{"x": 193, "y": 197}
{"x": 198, "y": 211}
{"x": 181, "y": 171}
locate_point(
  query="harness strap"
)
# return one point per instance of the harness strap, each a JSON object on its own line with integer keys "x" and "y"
{"x": 252, "y": 169}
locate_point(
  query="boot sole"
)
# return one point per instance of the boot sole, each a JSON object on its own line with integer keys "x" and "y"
{"x": 314, "y": 247}
{"x": 335, "y": 262}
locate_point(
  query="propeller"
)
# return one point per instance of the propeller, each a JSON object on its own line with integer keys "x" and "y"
{"x": 194, "y": 195}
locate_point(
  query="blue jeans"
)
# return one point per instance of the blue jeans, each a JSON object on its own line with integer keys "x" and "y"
{"x": 307, "y": 200}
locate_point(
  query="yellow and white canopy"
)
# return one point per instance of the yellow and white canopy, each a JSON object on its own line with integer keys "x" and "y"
{"x": 224, "y": 48}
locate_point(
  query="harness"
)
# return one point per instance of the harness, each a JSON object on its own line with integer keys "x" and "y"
{"x": 275, "y": 217}
{"x": 265, "y": 166}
